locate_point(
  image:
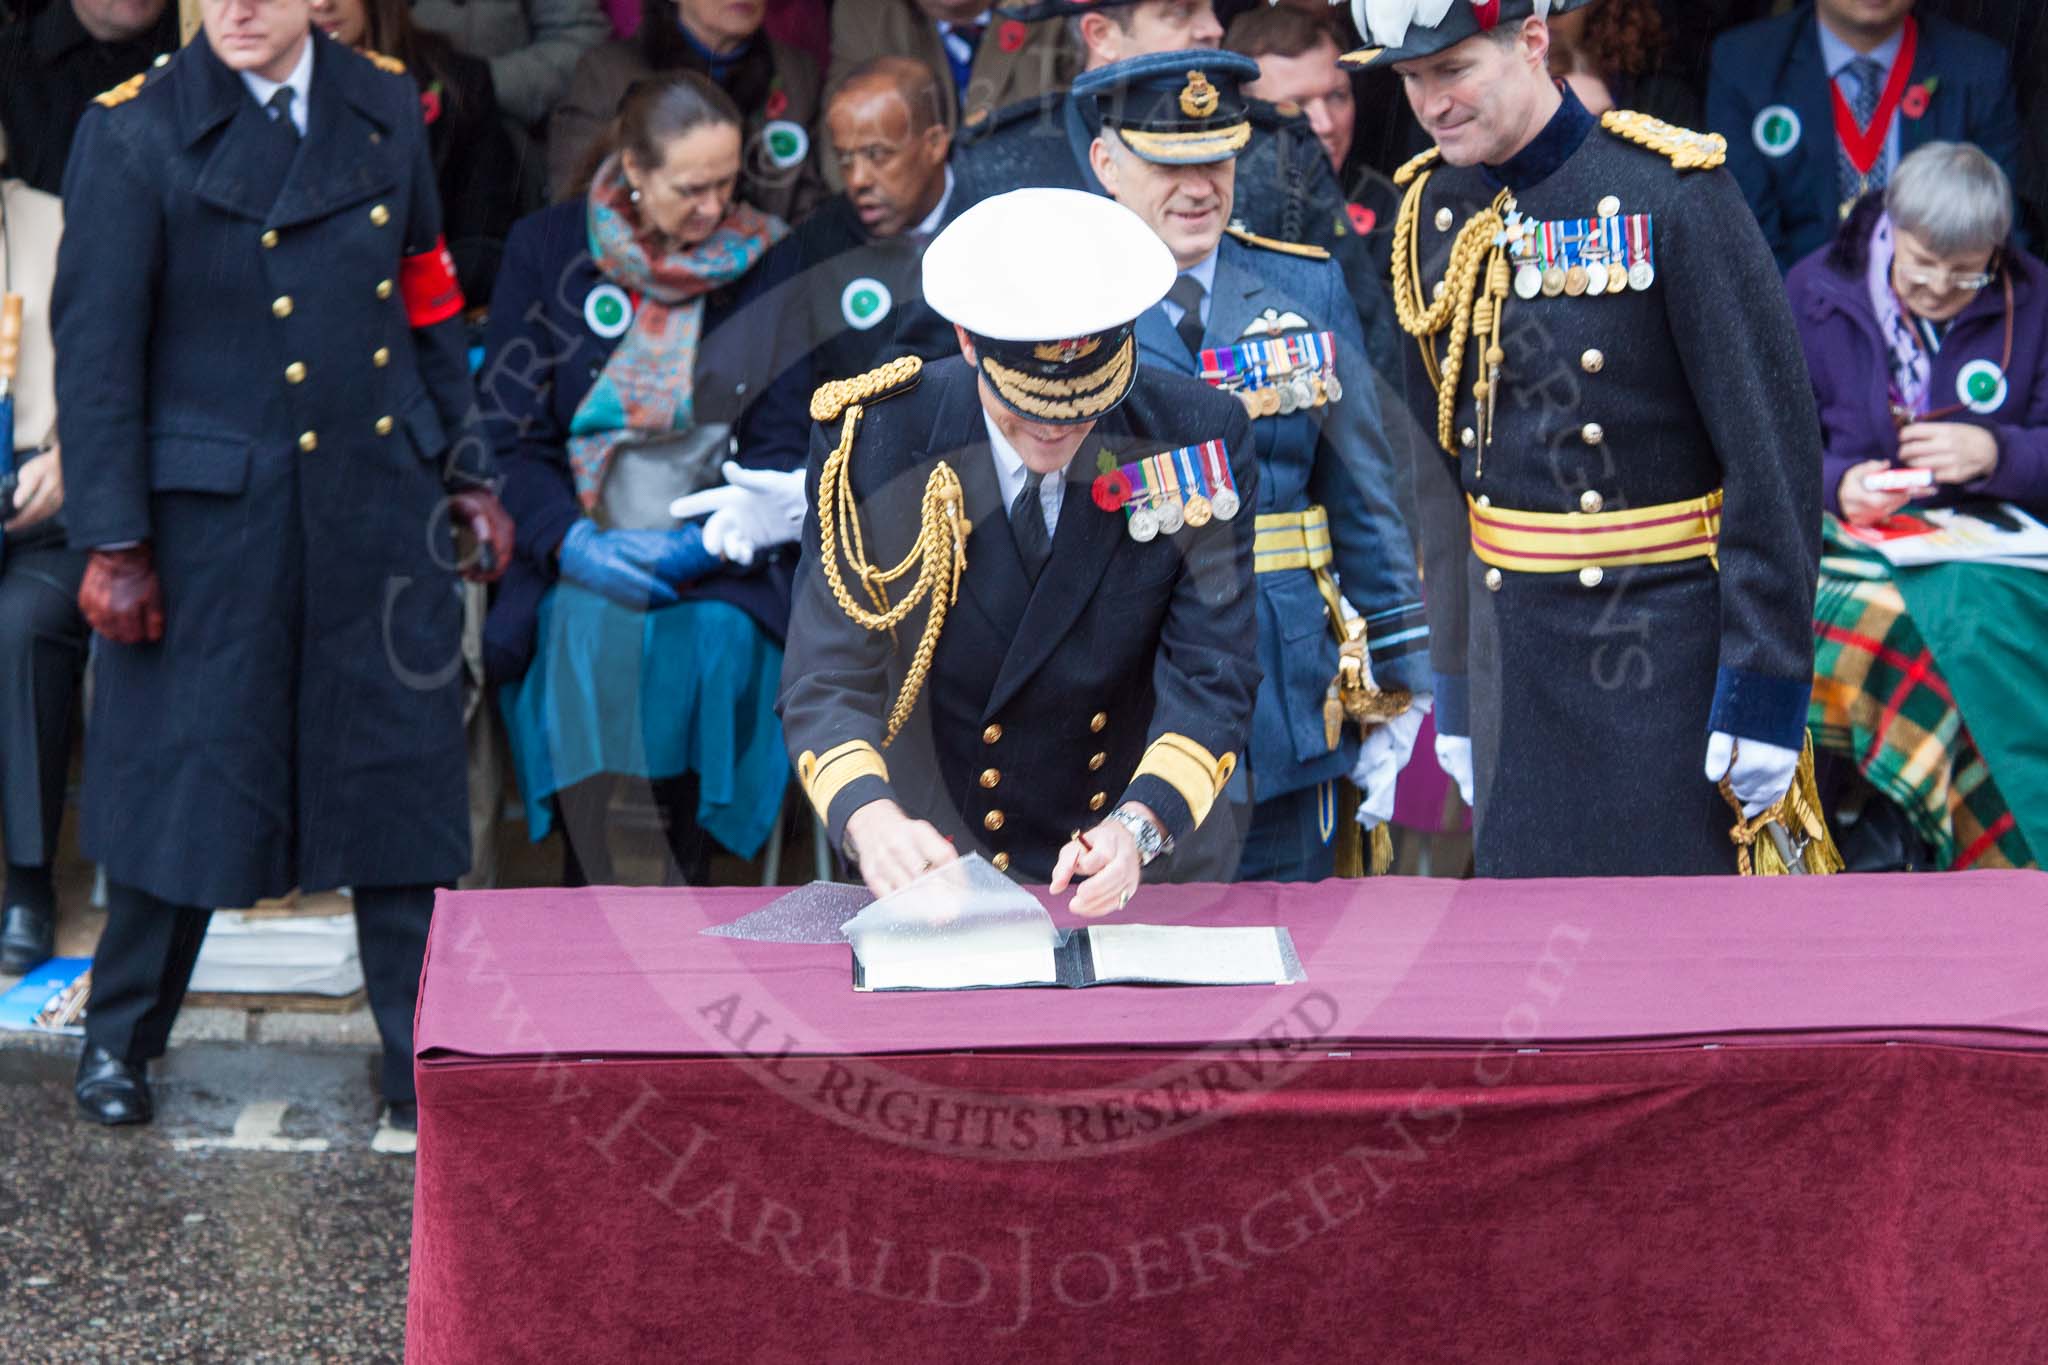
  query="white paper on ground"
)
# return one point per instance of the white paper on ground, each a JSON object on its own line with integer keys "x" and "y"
{"x": 279, "y": 955}
{"x": 1209, "y": 955}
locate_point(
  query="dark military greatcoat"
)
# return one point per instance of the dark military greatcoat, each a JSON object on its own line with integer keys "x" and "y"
{"x": 1592, "y": 692}
{"x": 241, "y": 387}
{"x": 1045, "y": 702}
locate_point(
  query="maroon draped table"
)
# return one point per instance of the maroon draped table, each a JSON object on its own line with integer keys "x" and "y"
{"x": 1796, "y": 1119}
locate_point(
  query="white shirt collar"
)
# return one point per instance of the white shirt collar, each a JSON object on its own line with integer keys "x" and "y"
{"x": 1836, "y": 54}
{"x": 300, "y": 80}
{"x": 947, "y": 25}
{"x": 1010, "y": 475}
{"x": 1204, "y": 270}
{"x": 932, "y": 220}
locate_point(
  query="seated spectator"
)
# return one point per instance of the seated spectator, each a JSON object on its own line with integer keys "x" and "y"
{"x": 42, "y": 636}
{"x": 848, "y": 272}
{"x": 532, "y": 45}
{"x": 1612, "y": 53}
{"x": 622, "y": 360}
{"x": 54, "y": 62}
{"x": 774, "y": 87}
{"x": 1926, "y": 333}
{"x": 1781, "y": 88}
{"x": 979, "y": 60}
{"x": 474, "y": 164}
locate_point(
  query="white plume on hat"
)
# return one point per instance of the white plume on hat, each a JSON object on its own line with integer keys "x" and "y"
{"x": 1385, "y": 23}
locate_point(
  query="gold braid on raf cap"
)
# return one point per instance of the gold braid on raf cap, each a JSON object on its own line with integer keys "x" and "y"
{"x": 939, "y": 557}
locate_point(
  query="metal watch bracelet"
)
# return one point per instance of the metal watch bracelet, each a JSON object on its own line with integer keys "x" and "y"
{"x": 1152, "y": 841}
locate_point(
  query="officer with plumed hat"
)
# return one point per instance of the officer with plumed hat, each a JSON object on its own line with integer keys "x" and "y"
{"x": 1271, "y": 323}
{"x": 1023, "y": 623}
{"x": 1621, "y": 509}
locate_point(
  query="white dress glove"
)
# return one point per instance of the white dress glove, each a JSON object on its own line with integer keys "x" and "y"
{"x": 1454, "y": 756}
{"x": 756, "y": 509}
{"x": 1761, "y": 773}
{"x": 1387, "y": 748}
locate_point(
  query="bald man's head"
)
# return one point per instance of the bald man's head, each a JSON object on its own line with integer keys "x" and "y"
{"x": 889, "y": 134}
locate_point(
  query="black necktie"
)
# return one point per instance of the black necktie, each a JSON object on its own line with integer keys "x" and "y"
{"x": 1027, "y": 525}
{"x": 1187, "y": 295}
{"x": 279, "y": 107}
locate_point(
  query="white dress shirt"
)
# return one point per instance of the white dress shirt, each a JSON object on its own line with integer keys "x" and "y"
{"x": 1010, "y": 476}
{"x": 300, "y": 80}
{"x": 930, "y": 225}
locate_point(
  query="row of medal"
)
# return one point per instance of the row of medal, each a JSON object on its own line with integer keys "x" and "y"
{"x": 1164, "y": 492}
{"x": 1277, "y": 376}
{"x": 1584, "y": 257}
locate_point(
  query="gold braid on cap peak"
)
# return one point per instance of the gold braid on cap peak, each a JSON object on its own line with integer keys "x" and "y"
{"x": 939, "y": 557}
{"x": 1687, "y": 150}
{"x": 1086, "y": 395}
{"x": 1456, "y": 304}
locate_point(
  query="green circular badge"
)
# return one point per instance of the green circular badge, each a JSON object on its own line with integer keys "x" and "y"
{"x": 1981, "y": 386}
{"x": 1776, "y": 130}
{"x": 864, "y": 302}
{"x": 787, "y": 143}
{"x": 607, "y": 311}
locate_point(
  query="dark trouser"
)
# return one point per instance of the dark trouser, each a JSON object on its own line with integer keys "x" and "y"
{"x": 584, "y": 814}
{"x": 1290, "y": 837}
{"x": 42, "y": 641}
{"x": 147, "y": 951}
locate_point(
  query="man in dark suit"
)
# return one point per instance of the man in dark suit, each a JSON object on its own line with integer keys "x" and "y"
{"x": 1079, "y": 648}
{"x": 261, "y": 372}
{"x": 54, "y": 62}
{"x": 844, "y": 277}
{"x": 1819, "y": 104}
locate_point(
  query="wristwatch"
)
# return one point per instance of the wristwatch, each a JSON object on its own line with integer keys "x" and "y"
{"x": 1152, "y": 841}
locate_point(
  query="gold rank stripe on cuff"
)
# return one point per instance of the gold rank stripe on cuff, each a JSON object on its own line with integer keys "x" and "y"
{"x": 1189, "y": 769}
{"x": 1292, "y": 540}
{"x": 825, "y": 777}
{"x": 1560, "y": 542}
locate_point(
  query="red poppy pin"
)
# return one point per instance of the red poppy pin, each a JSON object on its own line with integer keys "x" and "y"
{"x": 1362, "y": 218}
{"x": 1915, "y": 102}
{"x": 430, "y": 103}
{"x": 1010, "y": 36}
{"x": 1112, "y": 490}
{"x": 778, "y": 103}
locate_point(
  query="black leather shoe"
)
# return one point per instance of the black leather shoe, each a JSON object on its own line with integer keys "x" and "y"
{"x": 109, "y": 1090}
{"x": 28, "y": 939}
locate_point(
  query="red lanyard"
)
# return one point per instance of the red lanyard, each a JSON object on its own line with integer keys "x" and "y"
{"x": 1865, "y": 145}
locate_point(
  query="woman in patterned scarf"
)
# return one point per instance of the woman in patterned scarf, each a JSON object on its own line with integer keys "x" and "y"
{"x": 625, "y": 362}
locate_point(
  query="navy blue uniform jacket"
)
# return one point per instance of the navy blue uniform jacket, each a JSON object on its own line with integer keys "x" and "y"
{"x": 540, "y": 359}
{"x": 1334, "y": 456}
{"x": 1796, "y": 197}
{"x": 1044, "y": 700}
{"x": 241, "y": 387}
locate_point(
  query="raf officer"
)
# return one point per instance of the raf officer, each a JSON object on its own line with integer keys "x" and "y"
{"x": 1025, "y": 603}
{"x": 262, "y": 370}
{"x": 1271, "y": 323}
{"x": 1621, "y": 521}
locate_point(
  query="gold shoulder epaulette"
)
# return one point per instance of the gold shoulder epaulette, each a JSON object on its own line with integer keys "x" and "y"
{"x": 1687, "y": 150}
{"x": 122, "y": 93}
{"x": 831, "y": 399}
{"x": 391, "y": 66}
{"x": 1416, "y": 165}
{"x": 1308, "y": 249}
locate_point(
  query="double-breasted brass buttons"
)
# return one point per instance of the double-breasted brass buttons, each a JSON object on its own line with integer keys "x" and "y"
{"x": 379, "y": 215}
{"x": 1001, "y": 862}
{"x": 281, "y": 306}
{"x": 1097, "y": 722}
{"x": 384, "y": 426}
{"x": 1590, "y": 501}
{"x": 309, "y": 441}
{"x": 381, "y": 357}
{"x": 989, "y": 778}
{"x": 1095, "y": 762}
{"x": 1593, "y": 361}
{"x": 1098, "y": 801}
{"x": 993, "y": 821}
{"x": 269, "y": 238}
{"x": 383, "y": 289}
{"x": 992, "y": 734}
{"x": 295, "y": 373}
{"x": 1592, "y": 433}
{"x": 1444, "y": 219}
{"x": 1493, "y": 580}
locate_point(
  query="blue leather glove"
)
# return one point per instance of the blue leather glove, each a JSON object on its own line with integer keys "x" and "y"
{"x": 634, "y": 568}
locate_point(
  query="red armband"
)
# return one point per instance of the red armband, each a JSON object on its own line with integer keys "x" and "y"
{"x": 427, "y": 283}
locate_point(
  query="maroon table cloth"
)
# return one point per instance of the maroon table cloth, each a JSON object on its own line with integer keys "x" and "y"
{"x": 1658, "y": 1120}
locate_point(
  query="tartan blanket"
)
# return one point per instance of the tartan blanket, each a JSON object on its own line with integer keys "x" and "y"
{"x": 1880, "y": 700}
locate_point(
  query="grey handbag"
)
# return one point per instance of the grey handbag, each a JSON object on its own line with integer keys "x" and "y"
{"x": 644, "y": 477}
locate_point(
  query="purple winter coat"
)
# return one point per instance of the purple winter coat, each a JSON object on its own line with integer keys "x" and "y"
{"x": 1846, "y": 358}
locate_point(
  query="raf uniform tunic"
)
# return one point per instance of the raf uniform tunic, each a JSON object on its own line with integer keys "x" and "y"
{"x": 242, "y": 389}
{"x": 1589, "y": 695}
{"x": 1045, "y": 703}
{"x": 1334, "y": 457}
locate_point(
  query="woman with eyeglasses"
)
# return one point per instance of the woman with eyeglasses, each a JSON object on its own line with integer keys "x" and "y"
{"x": 1926, "y": 334}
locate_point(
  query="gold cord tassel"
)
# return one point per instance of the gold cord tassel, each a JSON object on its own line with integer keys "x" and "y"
{"x": 1476, "y": 263}
{"x": 1796, "y": 826}
{"x": 939, "y": 557}
{"x": 1382, "y": 850}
